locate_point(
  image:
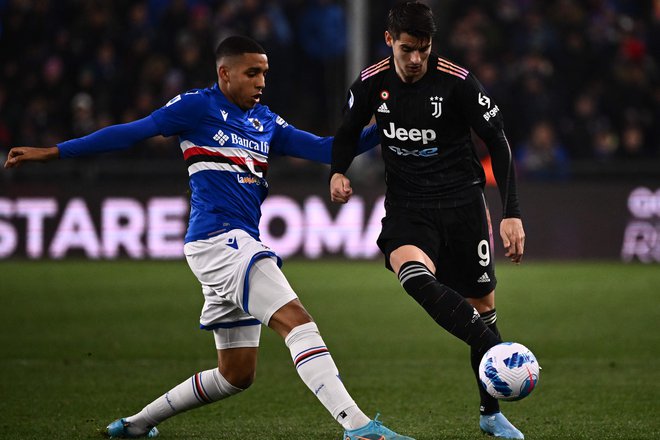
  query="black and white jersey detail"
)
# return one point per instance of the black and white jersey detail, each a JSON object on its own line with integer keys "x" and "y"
{"x": 425, "y": 129}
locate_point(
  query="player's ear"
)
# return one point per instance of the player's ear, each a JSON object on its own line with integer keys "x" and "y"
{"x": 223, "y": 73}
{"x": 388, "y": 39}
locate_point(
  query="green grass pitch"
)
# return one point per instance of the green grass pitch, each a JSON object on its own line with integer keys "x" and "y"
{"x": 86, "y": 342}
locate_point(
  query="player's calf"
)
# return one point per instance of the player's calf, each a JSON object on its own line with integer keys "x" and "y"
{"x": 488, "y": 404}
{"x": 316, "y": 368}
{"x": 446, "y": 306}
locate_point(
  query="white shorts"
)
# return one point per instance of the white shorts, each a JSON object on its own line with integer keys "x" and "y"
{"x": 234, "y": 309}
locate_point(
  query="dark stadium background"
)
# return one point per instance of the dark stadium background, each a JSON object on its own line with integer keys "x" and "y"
{"x": 84, "y": 342}
{"x": 577, "y": 82}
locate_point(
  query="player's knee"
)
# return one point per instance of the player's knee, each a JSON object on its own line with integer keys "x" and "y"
{"x": 414, "y": 277}
{"x": 240, "y": 379}
{"x": 484, "y": 304}
{"x": 288, "y": 317}
{"x": 406, "y": 254}
{"x": 245, "y": 381}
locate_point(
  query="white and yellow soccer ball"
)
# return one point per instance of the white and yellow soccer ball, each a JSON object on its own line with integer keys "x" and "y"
{"x": 509, "y": 371}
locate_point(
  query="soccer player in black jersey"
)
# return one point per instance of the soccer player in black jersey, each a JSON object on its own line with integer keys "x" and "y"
{"x": 436, "y": 234}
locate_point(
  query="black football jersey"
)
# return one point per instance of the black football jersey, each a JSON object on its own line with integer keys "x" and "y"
{"x": 430, "y": 159}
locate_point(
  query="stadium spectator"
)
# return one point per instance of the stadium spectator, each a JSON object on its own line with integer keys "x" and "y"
{"x": 633, "y": 143}
{"x": 542, "y": 157}
{"x": 117, "y": 51}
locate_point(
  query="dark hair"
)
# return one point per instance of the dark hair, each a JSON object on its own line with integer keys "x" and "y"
{"x": 412, "y": 18}
{"x": 237, "y": 45}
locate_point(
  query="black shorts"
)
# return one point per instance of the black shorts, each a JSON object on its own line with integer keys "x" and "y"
{"x": 459, "y": 241}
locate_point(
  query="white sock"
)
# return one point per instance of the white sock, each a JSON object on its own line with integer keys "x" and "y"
{"x": 202, "y": 388}
{"x": 317, "y": 369}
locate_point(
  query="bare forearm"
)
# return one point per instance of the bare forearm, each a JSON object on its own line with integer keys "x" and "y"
{"x": 18, "y": 155}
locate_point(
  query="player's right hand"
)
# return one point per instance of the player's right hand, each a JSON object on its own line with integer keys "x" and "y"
{"x": 18, "y": 155}
{"x": 340, "y": 188}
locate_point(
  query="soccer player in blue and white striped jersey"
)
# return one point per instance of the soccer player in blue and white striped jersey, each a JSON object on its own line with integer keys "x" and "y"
{"x": 227, "y": 138}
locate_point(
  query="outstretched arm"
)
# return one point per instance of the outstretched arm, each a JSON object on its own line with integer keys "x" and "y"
{"x": 304, "y": 145}
{"x": 18, "y": 155}
{"x": 114, "y": 137}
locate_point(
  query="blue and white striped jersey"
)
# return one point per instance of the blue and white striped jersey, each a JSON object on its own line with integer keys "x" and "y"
{"x": 226, "y": 150}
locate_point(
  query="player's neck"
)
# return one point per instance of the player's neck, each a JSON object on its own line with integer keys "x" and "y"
{"x": 408, "y": 79}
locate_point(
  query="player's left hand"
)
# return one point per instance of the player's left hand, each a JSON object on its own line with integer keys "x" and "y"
{"x": 513, "y": 238}
{"x": 340, "y": 188}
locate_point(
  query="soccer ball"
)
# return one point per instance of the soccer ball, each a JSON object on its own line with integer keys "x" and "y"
{"x": 509, "y": 371}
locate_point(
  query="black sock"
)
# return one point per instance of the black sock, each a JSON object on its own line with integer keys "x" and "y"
{"x": 448, "y": 308}
{"x": 489, "y": 404}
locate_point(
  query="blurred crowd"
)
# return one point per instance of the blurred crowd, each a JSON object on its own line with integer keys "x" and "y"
{"x": 576, "y": 80}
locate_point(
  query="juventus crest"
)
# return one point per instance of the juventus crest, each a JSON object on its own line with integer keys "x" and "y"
{"x": 436, "y": 102}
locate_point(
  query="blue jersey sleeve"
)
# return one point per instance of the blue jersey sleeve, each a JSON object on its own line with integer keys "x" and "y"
{"x": 114, "y": 137}
{"x": 289, "y": 141}
{"x": 369, "y": 138}
{"x": 182, "y": 113}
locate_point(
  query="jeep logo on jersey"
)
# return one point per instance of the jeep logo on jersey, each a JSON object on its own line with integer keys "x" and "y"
{"x": 426, "y": 152}
{"x": 436, "y": 102}
{"x": 414, "y": 134}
